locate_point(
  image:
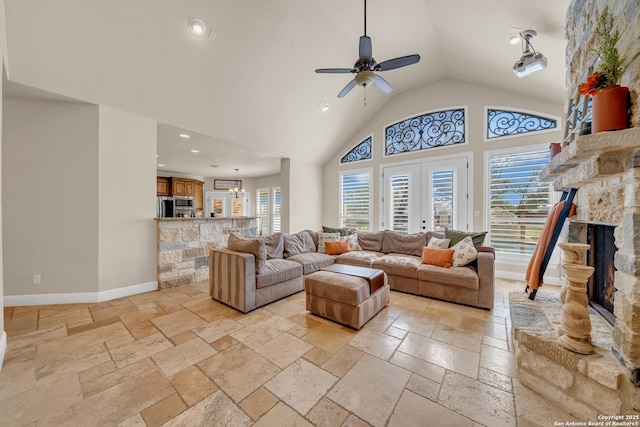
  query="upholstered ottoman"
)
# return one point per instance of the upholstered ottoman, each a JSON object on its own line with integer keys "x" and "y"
{"x": 346, "y": 294}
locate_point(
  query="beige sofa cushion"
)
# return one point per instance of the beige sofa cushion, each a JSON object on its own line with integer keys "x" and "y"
{"x": 299, "y": 243}
{"x": 251, "y": 245}
{"x": 277, "y": 271}
{"x": 312, "y": 261}
{"x": 275, "y": 246}
{"x": 398, "y": 243}
{"x": 358, "y": 258}
{"x": 464, "y": 277}
{"x": 370, "y": 241}
{"x": 398, "y": 265}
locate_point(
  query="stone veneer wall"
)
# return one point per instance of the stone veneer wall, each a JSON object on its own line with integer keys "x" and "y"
{"x": 184, "y": 245}
{"x": 582, "y": 17}
{"x": 605, "y": 167}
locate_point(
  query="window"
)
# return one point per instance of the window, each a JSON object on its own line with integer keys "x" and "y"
{"x": 400, "y": 190}
{"x": 361, "y": 151}
{"x": 518, "y": 203}
{"x": 262, "y": 210}
{"x": 275, "y": 219}
{"x": 508, "y": 123}
{"x": 355, "y": 199}
{"x": 442, "y": 196}
{"x": 268, "y": 210}
{"x": 430, "y": 130}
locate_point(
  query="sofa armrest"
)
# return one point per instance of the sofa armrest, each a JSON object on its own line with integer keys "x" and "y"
{"x": 486, "y": 276}
{"x": 232, "y": 278}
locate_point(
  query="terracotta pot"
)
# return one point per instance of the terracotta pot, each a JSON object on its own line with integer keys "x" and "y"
{"x": 610, "y": 109}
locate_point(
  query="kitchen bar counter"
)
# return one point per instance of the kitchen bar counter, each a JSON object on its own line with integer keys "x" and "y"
{"x": 184, "y": 245}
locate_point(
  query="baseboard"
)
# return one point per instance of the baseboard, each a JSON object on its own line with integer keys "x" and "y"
{"x": 510, "y": 275}
{"x": 79, "y": 297}
{"x": 3, "y": 347}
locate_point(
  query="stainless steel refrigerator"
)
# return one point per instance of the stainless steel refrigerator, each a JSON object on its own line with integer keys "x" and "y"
{"x": 164, "y": 207}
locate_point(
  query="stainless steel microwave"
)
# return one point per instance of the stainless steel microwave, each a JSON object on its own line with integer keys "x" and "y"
{"x": 183, "y": 202}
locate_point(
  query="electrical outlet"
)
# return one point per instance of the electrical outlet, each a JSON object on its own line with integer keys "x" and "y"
{"x": 37, "y": 279}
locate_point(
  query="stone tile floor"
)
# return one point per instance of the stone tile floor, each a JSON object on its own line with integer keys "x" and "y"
{"x": 178, "y": 358}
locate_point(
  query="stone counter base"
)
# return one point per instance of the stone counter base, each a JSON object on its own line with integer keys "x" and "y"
{"x": 184, "y": 245}
{"x": 583, "y": 385}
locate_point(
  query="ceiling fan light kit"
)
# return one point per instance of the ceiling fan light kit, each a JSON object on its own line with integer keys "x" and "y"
{"x": 365, "y": 67}
{"x": 530, "y": 61}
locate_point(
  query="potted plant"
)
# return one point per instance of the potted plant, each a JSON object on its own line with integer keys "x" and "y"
{"x": 610, "y": 108}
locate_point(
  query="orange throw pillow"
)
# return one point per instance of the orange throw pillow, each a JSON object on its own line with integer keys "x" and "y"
{"x": 439, "y": 257}
{"x": 337, "y": 248}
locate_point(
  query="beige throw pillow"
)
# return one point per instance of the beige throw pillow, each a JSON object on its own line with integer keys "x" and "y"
{"x": 352, "y": 239}
{"x": 465, "y": 252}
{"x": 436, "y": 243}
{"x": 255, "y": 246}
{"x": 326, "y": 237}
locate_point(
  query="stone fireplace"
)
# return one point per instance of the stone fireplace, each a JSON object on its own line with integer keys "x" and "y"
{"x": 605, "y": 168}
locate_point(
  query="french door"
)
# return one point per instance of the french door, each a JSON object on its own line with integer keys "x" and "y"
{"x": 426, "y": 196}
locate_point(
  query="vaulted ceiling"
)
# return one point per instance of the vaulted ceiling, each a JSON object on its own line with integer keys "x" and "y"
{"x": 249, "y": 87}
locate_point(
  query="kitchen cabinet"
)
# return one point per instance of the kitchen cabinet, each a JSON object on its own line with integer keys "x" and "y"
{"x": 163, "y": 187}
{"x": 199, "y": 195}
{"x": 178, "y": 185}
{"x": 189, "y": 187}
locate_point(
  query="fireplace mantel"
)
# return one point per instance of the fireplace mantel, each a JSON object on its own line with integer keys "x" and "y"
{"x": 592, "y": 158}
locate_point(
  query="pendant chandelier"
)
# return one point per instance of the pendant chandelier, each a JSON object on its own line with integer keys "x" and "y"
{"x": 237, "y": 191}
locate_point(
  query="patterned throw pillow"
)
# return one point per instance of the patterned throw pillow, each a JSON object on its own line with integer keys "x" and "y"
{"x": 436, "y": 243}
{"x": 465, "y": 252}
{"x": 326, "y": 237}
{"x": 352, "y": 239}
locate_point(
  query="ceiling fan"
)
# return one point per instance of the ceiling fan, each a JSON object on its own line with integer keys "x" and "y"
{"x": 365, "y": 66}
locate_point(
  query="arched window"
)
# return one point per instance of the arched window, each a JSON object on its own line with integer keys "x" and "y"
{"x": 503, "y": 123}
{"x": 429, "y": 130}
{"x": 361, "y": 151}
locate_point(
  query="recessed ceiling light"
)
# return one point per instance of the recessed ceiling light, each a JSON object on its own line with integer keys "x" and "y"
{"x": 324, "y": 107}
{"x": 185, "y": 135}
{"x": 157, "y": 155}
{"x": 197, "y": 27}
{"x": 160, "y": 165}
{"x": 514, "y": 39}
{"x": 195, "y": 151}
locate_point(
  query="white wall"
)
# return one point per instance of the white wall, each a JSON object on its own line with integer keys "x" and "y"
{"x": 301, "y": 192}
{"x": 3, "y": 40}
{"x": 50, "y": 196}
{"x": 441, "y": 95}
{"x": 126, "y": 188}
{"x": 80, "y": 183}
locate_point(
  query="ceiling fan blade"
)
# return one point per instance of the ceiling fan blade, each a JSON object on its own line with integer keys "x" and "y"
{"x": 394, "y": 63}
{"x": 383, "y": 85}
{"x": 347, "y": 88}
{"x": 365, "y": 51}
{"x": 335, "y": 70}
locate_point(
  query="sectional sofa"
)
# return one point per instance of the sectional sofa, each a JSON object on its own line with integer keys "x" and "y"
{"x": 252, "y": 272}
